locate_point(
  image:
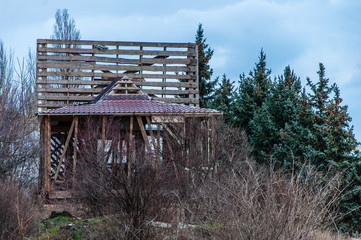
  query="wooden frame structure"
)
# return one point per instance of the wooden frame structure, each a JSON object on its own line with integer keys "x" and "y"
{"x": 71, "y": 72}
{"x": 74, "y": 79}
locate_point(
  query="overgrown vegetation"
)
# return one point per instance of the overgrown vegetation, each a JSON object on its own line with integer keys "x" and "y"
{"x": 283, "y": 163}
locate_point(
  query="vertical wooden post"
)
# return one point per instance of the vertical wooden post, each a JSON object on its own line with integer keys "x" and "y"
{"x": 158, "y": 141}
{"x": 102, "y": 153}
{"x": 213, "y": 137}
{"x": 130, "y": 146}
{"x": 75, "y": 146}
{"x": 47, "y": 150}
{"x": 42, "y": 156}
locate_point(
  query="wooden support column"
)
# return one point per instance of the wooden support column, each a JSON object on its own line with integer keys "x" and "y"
{"x": 47, "y": 150}
{"x": 102, "y": 153}
{"x": 130, "y": 146}
{"x": 145, "y": 138}
{"x": 75, "y": 154}
{"x": 42, "y": 156}
{"x": 213, "y": 145}
{"x": 64, "y": 151}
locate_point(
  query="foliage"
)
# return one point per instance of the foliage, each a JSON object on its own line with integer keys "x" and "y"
{"x": 252, "y": 92}
{"x": 223, "y": 97}
{"x": 205, "y": 53}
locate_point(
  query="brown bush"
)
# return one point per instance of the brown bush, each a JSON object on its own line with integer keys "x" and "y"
{"x": 214, "y": 184}
{"x": 18, "y": 209}
{"x": 132, "y": 196}
{"x": 256, "y": 203}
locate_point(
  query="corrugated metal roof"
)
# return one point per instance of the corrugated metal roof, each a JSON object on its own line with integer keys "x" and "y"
{"x": 132, "y": 104}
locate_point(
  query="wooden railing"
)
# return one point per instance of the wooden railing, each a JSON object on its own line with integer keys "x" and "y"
{"x": 71, "y": 72}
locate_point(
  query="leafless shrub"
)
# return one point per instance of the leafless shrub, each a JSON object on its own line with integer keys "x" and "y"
{"x": 18, "y": 141}
{"x": 255, "y": 203}
{"x": 18, "y": 211}
{"x": 133, "y": 195}
{"x": 211, "y": 179}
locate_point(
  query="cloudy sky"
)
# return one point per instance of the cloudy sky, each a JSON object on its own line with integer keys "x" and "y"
{"x": 299, "y": 33}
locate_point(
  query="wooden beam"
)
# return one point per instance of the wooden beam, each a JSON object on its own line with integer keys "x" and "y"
{"x": 75, "y": 146}
{"x": 171, "y": 133}
{"x": 130, "y": 147}
{"x": 64, "y": 151}
{"x": 43, "y": 42}
{"x": 102, "y": 154}
{"x": 47, "y": 155}
{"x": 145, "y": 138}
{"x": 155, "y": 144}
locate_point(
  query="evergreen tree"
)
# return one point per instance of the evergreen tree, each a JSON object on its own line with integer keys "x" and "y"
{"x": 334, "y": 138}
{"x": 335, "y": 148}
{"x": 223, "y": 98}
{"x": 252, "y": 92}
{"x": 276, "y": 131}
{"x": 206, "y": 85}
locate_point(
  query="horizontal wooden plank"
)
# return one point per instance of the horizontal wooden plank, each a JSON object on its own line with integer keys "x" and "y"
{"x": 71, "y": 82}
{"x": 65, "y": 98}
{"x": 168, "y": 84}
{"x": 145, "y": 83}
{"x": 178, "y": 100}
{"x": 126, "y": 88}
{"x": 112, "y": 75}
{"x": 114, "y": 51}
{"x": 116, "y": 43}
{"x": 169, "y": 100}
{"x": 184, "y": 61}
{"x": 93, "y": 66}
{"x": 169, "y": 92}
{"x": 69, "y": 90}
{"x": 98, "y": 90}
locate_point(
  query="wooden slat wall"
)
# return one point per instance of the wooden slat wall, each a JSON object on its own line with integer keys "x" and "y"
{"x": 71, "y": 72}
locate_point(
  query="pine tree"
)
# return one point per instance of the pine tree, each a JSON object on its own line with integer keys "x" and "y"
{"x": 335, "y": 148}
{"x": 334, "y": 138}
{"x": 223, "y": 98}
{"x": 205, "y": 53}
{"x": 276, "y": 131}
{"x": 252, "y": 92}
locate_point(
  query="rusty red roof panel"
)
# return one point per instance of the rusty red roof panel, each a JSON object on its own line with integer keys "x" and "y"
{"x": 129, "y": 106}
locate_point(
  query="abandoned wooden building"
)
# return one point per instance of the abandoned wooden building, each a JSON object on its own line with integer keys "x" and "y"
{"x": 147, "y": 88}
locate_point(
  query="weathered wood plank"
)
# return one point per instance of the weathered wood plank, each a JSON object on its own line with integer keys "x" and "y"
{"x": 101, "y": 67}
{"x": 184, "y": 61}
{"x": 178, "y": 100}
{"x": 65, "y": 98}
{"x": 75, "y": 146}
{"x": 116, "y": 43}
{"x": 148, "y": 84}
{"x": 112, "y": 75}
{"x": 114, "y": 51}
{"x": 170, "y": 92}
{"x": 69, "y": 90}
{"x": 169, "y": 100}
{"x": 47, "y": 151}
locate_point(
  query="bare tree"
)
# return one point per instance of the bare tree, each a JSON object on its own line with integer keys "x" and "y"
{"x": 64, "y": 27}
{"x": 6, "y": 67}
